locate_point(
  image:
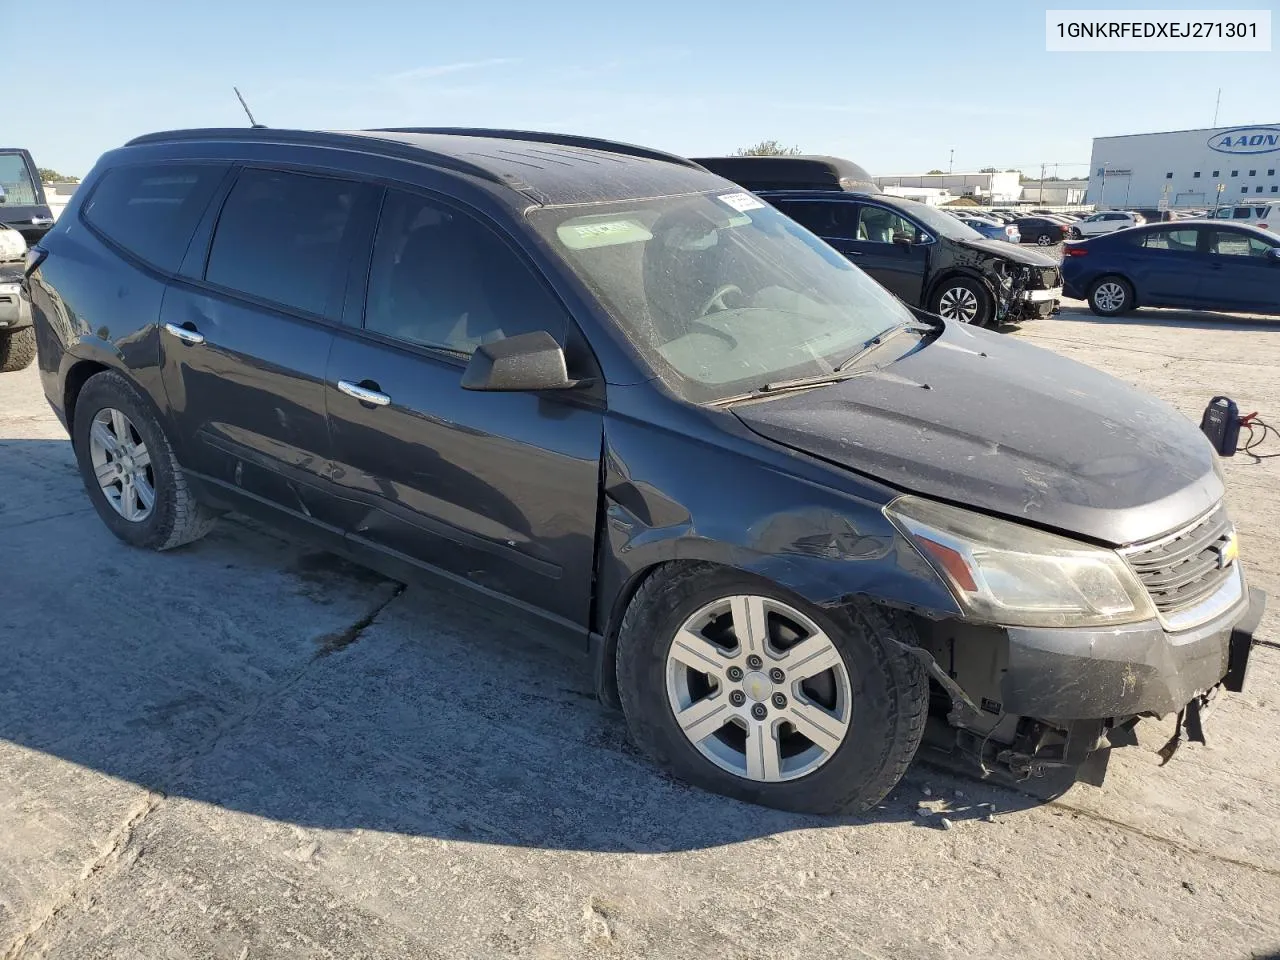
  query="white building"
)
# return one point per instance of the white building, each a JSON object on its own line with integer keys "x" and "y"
{"x": 989, "y": 187}
{"x": 1186, "y": 168}
{"x": 933, "y": 196}
{"x": 1054, "y": 193}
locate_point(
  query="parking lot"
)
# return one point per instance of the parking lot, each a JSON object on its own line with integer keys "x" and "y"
{"x": 246, "y": 748}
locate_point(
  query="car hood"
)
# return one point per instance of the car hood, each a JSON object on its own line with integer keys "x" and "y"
{"x": 1003, "y": 248}
{"x": 983, "y": 420}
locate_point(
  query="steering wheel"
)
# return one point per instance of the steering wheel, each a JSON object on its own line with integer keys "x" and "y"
{"x": 718, "y": 298}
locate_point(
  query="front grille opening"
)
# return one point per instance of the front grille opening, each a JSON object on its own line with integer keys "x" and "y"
{"x": 1187, "y": 568}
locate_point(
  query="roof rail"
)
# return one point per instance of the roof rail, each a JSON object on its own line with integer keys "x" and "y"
{"x": 358, "y": 140}
{"x": 562, "y": 139}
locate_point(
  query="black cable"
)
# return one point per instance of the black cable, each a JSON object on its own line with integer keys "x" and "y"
{"x": 1251, "y": 441}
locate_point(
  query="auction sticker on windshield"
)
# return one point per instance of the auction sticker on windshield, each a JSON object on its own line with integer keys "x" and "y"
{"x": 742, "y": 202}
{"x": 580, "y": 235}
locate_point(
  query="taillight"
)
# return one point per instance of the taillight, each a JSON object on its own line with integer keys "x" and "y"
{"x": 1072, "y": 251}
{"x": 35, "y": 257}
{"x": 1263, "y": 226}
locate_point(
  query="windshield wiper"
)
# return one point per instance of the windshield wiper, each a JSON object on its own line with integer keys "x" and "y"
{"x": 843, "y": 371}
{"x": 876, "y": 342}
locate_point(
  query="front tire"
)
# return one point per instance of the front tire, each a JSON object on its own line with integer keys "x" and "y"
{"x": 17, "y": 349}
{"x": 129, "y": 468}
{"x": 1111, "y": 296}
{"x": 741, "y": 689}
{"x": 964, "y": 300}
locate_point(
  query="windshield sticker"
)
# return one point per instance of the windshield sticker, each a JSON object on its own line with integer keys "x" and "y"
{"x": 577, "y": 235}
{"x": 742, "y": 202}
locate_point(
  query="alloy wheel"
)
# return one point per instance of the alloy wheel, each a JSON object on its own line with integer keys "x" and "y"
{"x": 1109, "y": 297}
{"x": 1044, "y": 240}
{"x": 758, "y": 688}
{"x": 958, "y": 303}
{"x": 122, "y": 465}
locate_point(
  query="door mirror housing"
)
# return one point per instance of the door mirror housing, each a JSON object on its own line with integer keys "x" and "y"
{"x": 1274, "y": 254}
{"x": 526, "y": 362}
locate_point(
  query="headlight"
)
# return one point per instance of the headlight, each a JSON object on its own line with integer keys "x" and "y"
{"x": 1015, "y": 575}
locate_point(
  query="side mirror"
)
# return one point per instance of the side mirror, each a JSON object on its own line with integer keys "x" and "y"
{"x": 526, "y": 362}
{"x": 903, "y": 239}
{"x": 1274, "y": 254}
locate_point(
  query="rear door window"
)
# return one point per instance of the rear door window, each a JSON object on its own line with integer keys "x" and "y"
{"x": 15, "y": 180}
{"x": 830, "y": 220}
{"x": 280, "y": 238}
{"x": 1182, "y": 240}
{"x": 151, "y": 210}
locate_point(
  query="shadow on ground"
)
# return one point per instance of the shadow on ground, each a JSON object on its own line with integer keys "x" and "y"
{"x": 233, "y": 672}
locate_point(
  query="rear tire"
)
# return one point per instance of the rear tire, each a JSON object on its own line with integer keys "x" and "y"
{"x": 1111, "y": 296}
{"x": 17, "y": 349}
{"x": 875, "y": 689}
{"x": 173, "y": 517}
{"x": 1044, "y": 240}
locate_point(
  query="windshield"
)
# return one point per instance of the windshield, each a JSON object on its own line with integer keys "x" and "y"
{"x": 939, "y": 223}
{"x": 15, "y": 179}
{"x": 720, "y": 292}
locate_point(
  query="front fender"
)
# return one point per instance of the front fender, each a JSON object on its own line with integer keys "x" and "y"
{"x": 740, "y": 501}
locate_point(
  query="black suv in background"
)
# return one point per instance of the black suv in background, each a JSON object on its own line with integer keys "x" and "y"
{"x": 23, "y": 204}
{"x": 929, "y": 259}
{"x": 621, "y": 396}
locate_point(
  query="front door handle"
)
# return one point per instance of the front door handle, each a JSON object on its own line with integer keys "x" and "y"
{"x": 185, "y": 334}
{"x": 364, "y": 394}
{"x": 41, "y": 221}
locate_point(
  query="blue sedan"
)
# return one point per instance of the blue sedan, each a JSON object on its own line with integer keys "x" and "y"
{"x": 990, "y": 229}
{"x": 1192, "y": 264}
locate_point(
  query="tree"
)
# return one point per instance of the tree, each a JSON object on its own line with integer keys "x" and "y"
{"x": 767, "y": 148}
{"x": 53, "y": 176}
{"x": 989, "y": 170}
{"x": 932, "y": 173}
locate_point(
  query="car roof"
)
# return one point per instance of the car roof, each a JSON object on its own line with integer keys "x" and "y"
{"x": 546, "y": 168}
{"x": 1181, "y": 225}
{"x": 803, "y": 171}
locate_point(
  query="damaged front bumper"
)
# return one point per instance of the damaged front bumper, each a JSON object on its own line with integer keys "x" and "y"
{"x": 1024, "y": 699}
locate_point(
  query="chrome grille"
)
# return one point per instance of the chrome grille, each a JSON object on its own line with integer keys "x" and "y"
{"x": 1185, "y": 568}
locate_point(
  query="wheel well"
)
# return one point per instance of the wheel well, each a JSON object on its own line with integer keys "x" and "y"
{"x": 77, "y": 377}
{"x": 606, "y": 645}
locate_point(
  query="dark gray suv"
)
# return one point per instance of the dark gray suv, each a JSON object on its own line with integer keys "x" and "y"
{"x": 624, "y": 398}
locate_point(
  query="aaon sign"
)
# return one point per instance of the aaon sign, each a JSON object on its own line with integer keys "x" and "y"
{"x": 1246, "y": 140}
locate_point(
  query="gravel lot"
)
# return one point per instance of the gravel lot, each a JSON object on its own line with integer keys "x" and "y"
{"x": 205, "y": 754}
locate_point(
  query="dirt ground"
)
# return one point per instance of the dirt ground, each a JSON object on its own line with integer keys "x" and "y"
{"x": 203, "y": 756}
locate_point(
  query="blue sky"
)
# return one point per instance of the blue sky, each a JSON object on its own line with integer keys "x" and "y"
{"x": 892, "y": 86}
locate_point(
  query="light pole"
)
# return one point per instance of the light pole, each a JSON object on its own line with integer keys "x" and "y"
{"x": 951, "y": 164}
{"x": 1217, "y": 199}
{"x": 1102, "y": 190}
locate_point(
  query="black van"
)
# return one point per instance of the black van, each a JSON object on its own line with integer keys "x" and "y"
{"x": 23, "y": 205}
{"x": 929, "y": 259}
{"x": 625, "y": 398}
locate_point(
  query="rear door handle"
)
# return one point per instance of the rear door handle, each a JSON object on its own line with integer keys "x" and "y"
{"x": 41, "y": 221}
{"x": 364, "y": 394}
{"x": 185, "y": 334}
